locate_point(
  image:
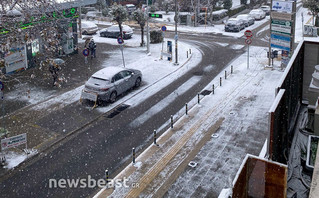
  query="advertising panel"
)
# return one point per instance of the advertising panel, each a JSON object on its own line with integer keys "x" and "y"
{"x": 13, "y": 141}
{"x": 16, "y": 59}
{"x": 282, "y": 6}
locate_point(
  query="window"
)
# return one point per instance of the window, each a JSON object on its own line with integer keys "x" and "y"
{"x": 126, "y": 73}
{"x": 117, "y": 77}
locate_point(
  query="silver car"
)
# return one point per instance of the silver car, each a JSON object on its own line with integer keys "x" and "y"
{"x": 108, "y": 83}
{"x": 248, "y": 20}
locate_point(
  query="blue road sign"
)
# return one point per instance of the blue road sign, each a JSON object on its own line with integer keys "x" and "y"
{"x": 86, "y": 52}
{"x": 120, "y": 40}
{"x": 163, "y": 28}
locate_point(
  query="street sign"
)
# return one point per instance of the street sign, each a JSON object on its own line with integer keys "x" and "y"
{"x": 13, "y": 141}
{"x": 281, "y": 26}
{"x": 152, "y": 15}
{"x": 1, "y": 86}
{"x": 282, "y": 6}
{"x": 281, "y": 15}
{"x": 120, "y": 40}
{"x": 163, "y": 28}
{"x": 248, "y": 41}
{"x": 248, "y": 33}
{"x": 85, "y": 52}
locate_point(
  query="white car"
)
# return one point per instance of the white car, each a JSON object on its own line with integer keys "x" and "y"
{"x": 89, "y": 27}
{"x": 266, "y": 9}
{"x": 257, "y": 14}
{"x": 248, "y": 20}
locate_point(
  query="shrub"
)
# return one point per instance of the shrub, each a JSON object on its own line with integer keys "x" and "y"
{"x": 156, "y": 36}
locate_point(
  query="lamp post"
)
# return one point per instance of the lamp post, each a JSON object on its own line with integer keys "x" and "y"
{"x": 176, "y": 36}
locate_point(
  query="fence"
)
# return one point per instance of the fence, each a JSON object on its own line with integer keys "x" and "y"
{"x": 283, "y": 113}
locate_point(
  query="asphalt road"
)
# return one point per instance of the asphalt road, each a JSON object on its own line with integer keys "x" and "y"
{"x": 107, "y": 143}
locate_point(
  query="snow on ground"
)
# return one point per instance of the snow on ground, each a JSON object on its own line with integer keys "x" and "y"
{"x": 244, "y": 100}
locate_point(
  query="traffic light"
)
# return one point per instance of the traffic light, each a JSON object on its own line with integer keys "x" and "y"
{"x": 152, "y": 15}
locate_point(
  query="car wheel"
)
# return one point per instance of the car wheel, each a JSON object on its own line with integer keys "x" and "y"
{"x": 238, "y": 30}
{"x": 113, "y": 97}
{"x": 85, "y": 32}
{"x": 137, "y": 82}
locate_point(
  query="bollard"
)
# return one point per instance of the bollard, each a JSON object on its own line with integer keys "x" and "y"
{"x": 155, "y": 137}
{"x": 172, "y": 121}
{"x": 198, "y": 99}
{"x": 186, "y": 108}
{"x": 133, "y": 153}
{"x": 225, "y": 74}
{"x": 231, "y": 69}
{"x": 190, "y": 51}
{"x": 187, "y": 54}
{"x": 213, "y": 89}
{"x": 220, "y": 81}
{"x": 107, "y": 176}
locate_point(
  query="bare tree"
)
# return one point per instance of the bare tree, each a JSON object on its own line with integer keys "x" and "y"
{"x": 119, "y": 14}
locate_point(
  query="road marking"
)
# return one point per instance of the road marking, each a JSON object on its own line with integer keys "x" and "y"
{"x": 165, "y": 102}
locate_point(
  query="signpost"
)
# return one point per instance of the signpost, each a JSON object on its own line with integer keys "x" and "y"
{"x": 14, "y": 141}
{"x": 248, "y": 41}
{"x": 163, "y": 32}
{"x": 86, "y": 54}
{"x": 121, "y": 41}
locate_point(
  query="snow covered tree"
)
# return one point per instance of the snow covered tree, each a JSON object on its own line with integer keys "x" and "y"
{"x": 140, "y": 17}
{"x": 313, "y": 6}
{"x": 228, "y": 4}
{"x": 119, "y": 14}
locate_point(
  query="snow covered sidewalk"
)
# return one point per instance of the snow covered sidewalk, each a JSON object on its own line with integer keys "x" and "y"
{"x": 215, "y": 135}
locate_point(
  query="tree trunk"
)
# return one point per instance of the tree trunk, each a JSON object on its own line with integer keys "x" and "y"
{"x": 142, "y": 36}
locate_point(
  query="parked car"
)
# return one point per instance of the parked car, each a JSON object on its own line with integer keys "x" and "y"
{"x": 114, "y": 32}
{"x": 248, "y": 20}
{"x": 89, "y": 27}
{"x": 257, "y": 14}
{"x": 94, "y": 15}
{"x": 234, "y": 25}
{"x": 266, "y": 9}
{"x": 130, "y": 8}
{"x": 106, "y": 84}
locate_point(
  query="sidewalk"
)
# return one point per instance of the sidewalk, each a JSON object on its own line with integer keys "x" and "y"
{"x": 200, "y": 155}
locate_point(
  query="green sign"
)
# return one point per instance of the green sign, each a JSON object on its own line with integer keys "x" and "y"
{"x": 68, "y": 13}
{"x": 281, "y": 22}
{"x": 155, "y": 15}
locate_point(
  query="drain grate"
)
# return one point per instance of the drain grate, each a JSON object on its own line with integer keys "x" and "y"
{"x": 118, "y": 110}
{"x": 205, "y": 92}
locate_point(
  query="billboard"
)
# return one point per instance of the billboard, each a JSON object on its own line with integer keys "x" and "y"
{"x": 282, "y": 6}
{"x": 13, "y": 141}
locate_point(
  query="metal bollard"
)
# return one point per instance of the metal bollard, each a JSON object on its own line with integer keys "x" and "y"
{"x": 155, "y": 137}
{"x": 190, "y": 51}
{"x": 172, "y": 121}
{"x": 213, "y": 89}
{"x": 198, "y": 99}
{"x": 187, "y": 54}
{"x": 231, "y": 69}
{"x": 186, "y": 108}
{"x": 107, "y": 176}
{"x": 133, "y": 153}
{"x": 220, "y": 81}
{"x": 225, "y": 74}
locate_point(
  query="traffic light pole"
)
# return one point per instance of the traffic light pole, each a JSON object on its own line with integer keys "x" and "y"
{"x": 176, "y": 36}
{"x": 147, "y": 30}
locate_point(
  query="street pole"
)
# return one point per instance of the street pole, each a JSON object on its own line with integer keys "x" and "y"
{"x": 248, "y": 58}
{"x": 176, "y": 36}
{"x": 80, "y": 23}
{"x": 270, "y": 36}
{"x": 147, "y": 30}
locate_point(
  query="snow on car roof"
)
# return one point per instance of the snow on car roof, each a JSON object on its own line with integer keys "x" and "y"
{"x": 108, "y": 72}
{"x": 88, "y": 24}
